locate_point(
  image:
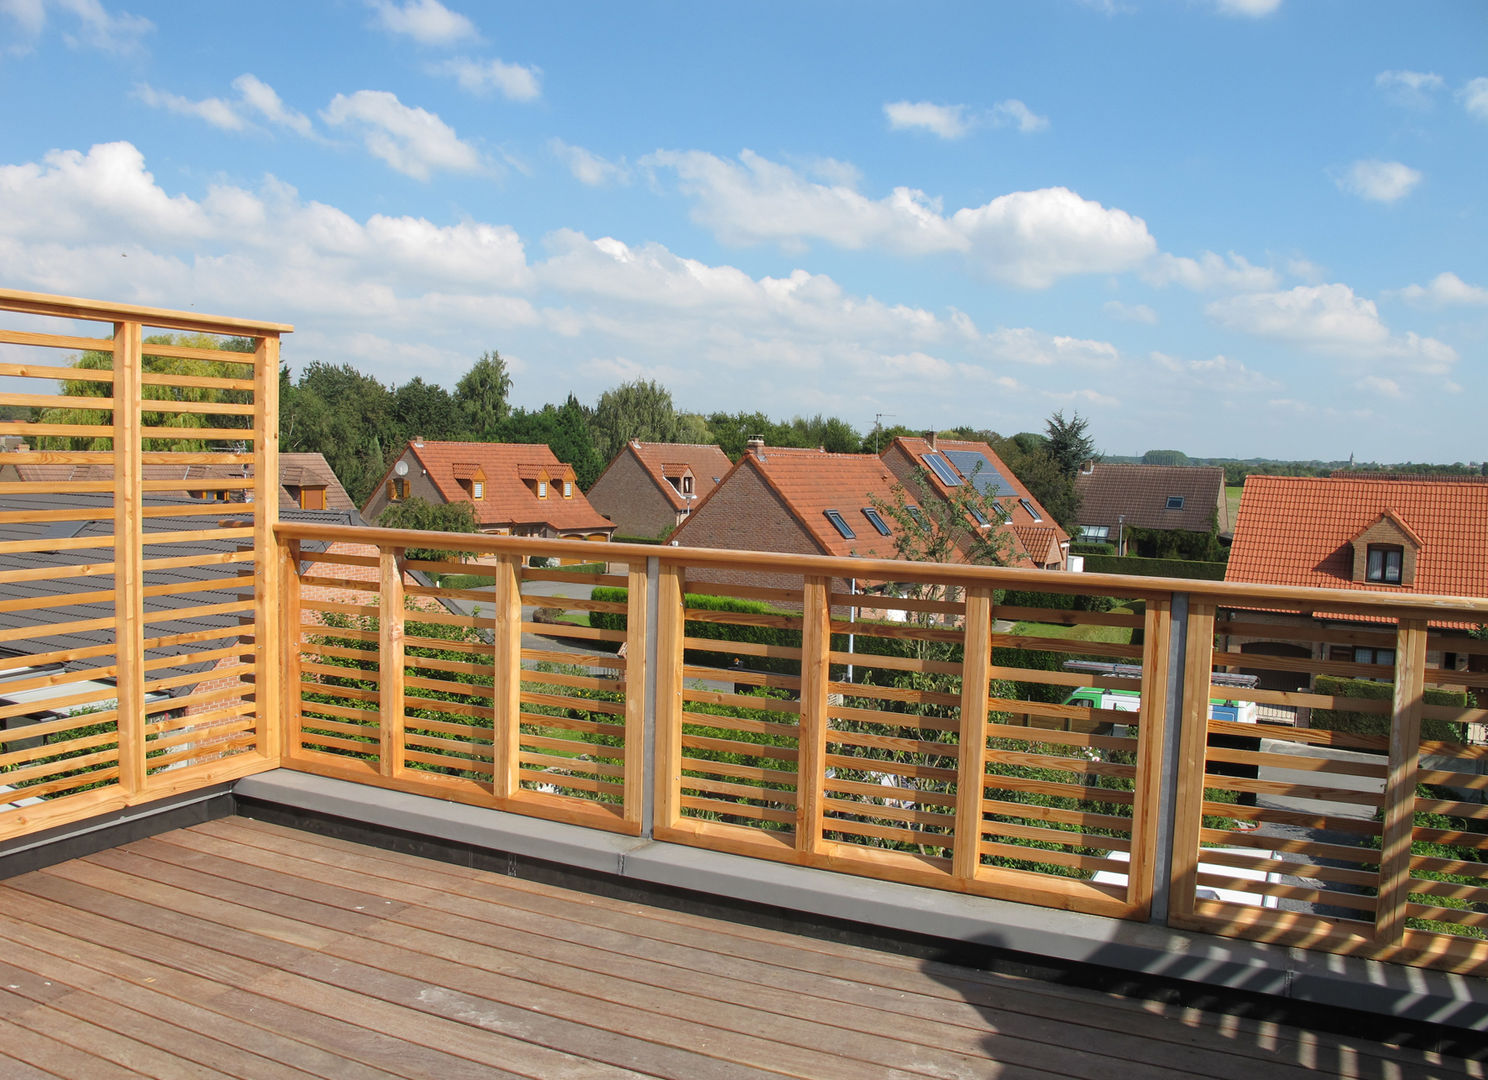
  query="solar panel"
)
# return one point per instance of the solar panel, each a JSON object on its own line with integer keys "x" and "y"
{"x": 938, "y": 465}
{"x": 981, "y": 472}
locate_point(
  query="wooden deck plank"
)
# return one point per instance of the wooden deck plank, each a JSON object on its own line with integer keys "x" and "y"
{"x": 237, "y": 948}
{"x": 874, "y": 977}
{"x": 711, "y": 984}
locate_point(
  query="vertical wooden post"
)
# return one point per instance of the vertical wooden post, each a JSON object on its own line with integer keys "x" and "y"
{"x": 1153, "y": 798}
{"x": 129, "y": 602}
{"x": 287, "y": 654}
{"x": 811, "y": 732}
{"x": 506, "y": 683}
{"x": 390, "y": 659}
{"x": 270, "y": 702}
{"x": 1188, "y": 815}
{"x": 971, "y": 757}
{"x": 1400, "y": 784}
{"x": 670, "y": 627}
{"x": 636, "y": 666}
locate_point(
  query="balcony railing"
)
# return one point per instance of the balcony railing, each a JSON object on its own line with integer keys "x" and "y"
{"x": 1298, "y": 766}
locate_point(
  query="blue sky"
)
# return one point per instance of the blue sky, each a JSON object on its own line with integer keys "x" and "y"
{"x": 1233, "y": 227}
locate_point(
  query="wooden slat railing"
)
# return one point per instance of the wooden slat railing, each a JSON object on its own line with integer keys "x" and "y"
{"x": 902, "y": 721}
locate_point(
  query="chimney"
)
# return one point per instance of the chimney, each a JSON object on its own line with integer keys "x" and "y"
{"x": 756, "y": 444}
{"x": 930, "y": 438}
{"x": 418, "y": 440}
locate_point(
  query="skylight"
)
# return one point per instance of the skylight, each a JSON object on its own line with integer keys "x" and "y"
{"x": 1175, "y": 502}
{"x": 918, "y": 515}
{"x": 841, "y": 525}
{"x": 875, "y": 520}
{"x": 1026, "y": 505}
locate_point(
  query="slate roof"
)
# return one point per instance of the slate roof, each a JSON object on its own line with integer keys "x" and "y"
{"x": 295, "y": 470}
{"x": 1294, "y": 530}
{"x": 195, "y": 515}
{"x": 708, "y": 463}
{"x": 955, "y": 452}
{"x": 506, "y": 500}
{"x": 1140, "y": 493}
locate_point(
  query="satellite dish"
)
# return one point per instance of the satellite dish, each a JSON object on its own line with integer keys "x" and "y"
{"x": 401, "y": 468}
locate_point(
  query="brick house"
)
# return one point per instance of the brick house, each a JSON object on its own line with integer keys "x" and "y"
{"x": 650, "y": 488}
{"x": 1170, "y": 498}
{"x": 944, "y": 464}
{"x": 1390, "y": 536}
{"x": 515, "y": 489}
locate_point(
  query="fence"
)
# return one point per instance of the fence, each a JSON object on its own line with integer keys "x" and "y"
{"x": 911, "y": 722}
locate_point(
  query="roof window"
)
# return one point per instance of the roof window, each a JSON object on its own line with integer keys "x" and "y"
{"x": 876, "y": 520}
{"x": 841, "y": 525}
{"x": 1175, "y": 502}
{"x": 1032, "y": 512}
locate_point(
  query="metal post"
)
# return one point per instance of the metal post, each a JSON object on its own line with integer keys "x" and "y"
{"x": 1167, "y": 795}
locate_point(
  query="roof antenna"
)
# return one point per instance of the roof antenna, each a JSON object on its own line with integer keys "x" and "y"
{"x": 878, "y": 427}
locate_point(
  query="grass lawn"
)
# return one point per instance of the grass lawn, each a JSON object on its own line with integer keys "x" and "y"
{"x": 1120, "y": 635}
{"x": 1232, "y": 499}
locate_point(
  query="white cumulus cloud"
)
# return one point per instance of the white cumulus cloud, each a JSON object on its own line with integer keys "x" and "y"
{"x": 947, "y": 121}
{"x": 216, "y": 112}
{"x": 1474, "y": 97}
{"x": 260, "y": 97}
{"x": 1378, "y": 181}
{"x": 255, "y": 97}
{"x": 1013, "y": 113}
{"x": 588, "y": 167}
{"x": 1026, "y": 238}
{"x": 91, "y": 24}
{"x": 1331, "y": 319}
{"x": 515, "y": 82}
{"x": 1209, "y": 273}
{"x": 426, "y": 21}
{"x": 1446, "y": 290}
{"x": 1132, "y": 313}
{"x": 1254, "y": 9}
{"x": 411, "y": 140}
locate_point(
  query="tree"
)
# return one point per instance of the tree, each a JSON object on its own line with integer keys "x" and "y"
{"x": 1069, "y": 445}
{"x": 573, "y": 442}
{"x": 345, "y": 415}
{"x": 635, "y": 410}
{"x": 1027, "y": 456}
{"x": 417, "y": 513}
{"x": 184, "y": 423}
{"x": 424, "y": 409}
{"x": 481, "y": 398}
{"x": 1164, "y": 457}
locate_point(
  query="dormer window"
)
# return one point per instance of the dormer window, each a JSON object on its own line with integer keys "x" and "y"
{"x": 687, "y": 484}
{"x": 1386, "y": 563}
{"x": 477, "y": 489}
{"x": 568, "y": 489}
{"x": 542, "y": 489}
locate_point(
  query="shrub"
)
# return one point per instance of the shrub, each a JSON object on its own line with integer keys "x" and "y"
{"x": 1176, "y": 568}
{"x": 1365, "y": 723}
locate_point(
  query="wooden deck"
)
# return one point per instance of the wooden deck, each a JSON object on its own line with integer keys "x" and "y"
{"x": 243, "y": 949}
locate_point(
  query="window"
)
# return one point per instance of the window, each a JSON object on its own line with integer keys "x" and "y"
{"x": 477, "y": 489}
{"x": 876, "y": 520}
{"x": 567, "y": 489}
{"x": 310, "y": 498}
{"x": 1094, "y": 532}
{"x": 981, "y": 518}
{"x": 1175, "y": 502}
{"x": 841, "y": 526}
{"x": 397, "y": 489}
{"x": 1004, "y": 513}
{"x": 1385, "y": 563}
{"x": 1374, "y": 656}
{"x": 687, "y": 484}
{"x": 1028, "y": 506}
{"x": 542, "y": 489}
{"x": 917, "y": 515}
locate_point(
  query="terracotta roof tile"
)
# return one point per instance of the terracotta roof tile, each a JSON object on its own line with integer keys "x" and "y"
{"x": 708, "y": 463}
{"x": 507, "y": 500}
{"x": 1300, "y": 531}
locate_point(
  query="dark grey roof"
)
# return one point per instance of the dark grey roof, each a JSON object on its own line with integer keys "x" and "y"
{"x": 194, "y": 515}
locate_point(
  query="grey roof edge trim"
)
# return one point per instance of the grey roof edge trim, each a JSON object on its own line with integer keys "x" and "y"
{"x": 1322, "y": 979}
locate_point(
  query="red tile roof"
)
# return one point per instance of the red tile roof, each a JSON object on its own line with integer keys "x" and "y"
{"x": 507, "y": 499}
{"x": 1139, "y": 494}
{"x": 708, "y": 463}
{"x": 1022, "y": 521}
{"x": 1299, "y": 531}
{"x": 812, "y": 482}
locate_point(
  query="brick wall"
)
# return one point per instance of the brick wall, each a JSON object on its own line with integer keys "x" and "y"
{"x": 628, "y": 496}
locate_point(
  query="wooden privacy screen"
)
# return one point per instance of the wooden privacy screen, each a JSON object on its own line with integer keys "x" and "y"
{"x": 912, "y": 731}
{"x": 481, "y": 681}
{"x": 139, "y": 480}
{"x": 1351, "y": 815}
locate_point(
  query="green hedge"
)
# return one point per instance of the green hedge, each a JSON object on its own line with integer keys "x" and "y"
{"x": 653, "y": 540}
{"x": 1362, "y": 723}
{"x": 760, "y": 635}
{"x": 1138, "y": 567}
{"x": 1092, "y": 547}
